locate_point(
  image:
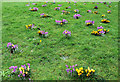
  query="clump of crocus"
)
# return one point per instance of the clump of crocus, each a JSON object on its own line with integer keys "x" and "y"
{"x": 89, "y": 71}
{"x": 76, "y": 10}
{"x": 57, "y": 8}
{"x": 12, "y": 47}
{"x": 100, "y": 31}
{"x": 65, "y": 12}
{"x": 44, "y": 5}
{"x": 44, "y": 15}
{"x": 109, "y": 11}
{"x": 76, "y": 16}
{"x": 67, "y": 33}
{"x": 105, "y": 21}
{"x": 30, "y": 26}
{"x": 14, "y": 68}
{"x": 95, "y": 12}
{"x": 96, "y": 7}
{"x": 71, "y": 69}
{"x": 24, "y": 72}
{"x": 34, "y": 9}
{"x": 67, "y": 7}
{"x": 61, "y": 22}
{"x": 88, "y": 11}
{"x": 42, "y": 33}
{"x": 89, "y": 22}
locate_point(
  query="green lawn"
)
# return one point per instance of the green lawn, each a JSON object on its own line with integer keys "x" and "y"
{"x": 46, "y": 60}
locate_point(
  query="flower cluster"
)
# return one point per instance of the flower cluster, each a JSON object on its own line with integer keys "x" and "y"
{"x": 67, "y": 33}
{"x": 89, "y": 22}
{"x": 24, "y": 71}
{"x": 80, "y": 71}
{"x": 65, "y": 12}
{"x": 105, "y": 21}
{"x": 61, "y": 22}
{"x": 76, "y": 10}
{"x": 57, "y": 8}
{"x": 44, "y": 5}
{"x": 109, "y": 11}
{"x": 71, "y": 69}
{"x": 95, "y": 12}
{"x": 89, "y": 71}
{"x": 96, "y": 7}
{"x": 30, "y": 26}
{"x": 76, "y": 16}
{"x": 44, "y": 15}
{"x": 12, "y": 47}
{"x": 67, "y": 7}
{"x": 14, "y": 68}
{"x": 99, "y": 31}
{"x": 34, "y": 9}
{"x": 60, "y": 5}
{"x": 88, "y": 11}
{"x": 42, "y": 33}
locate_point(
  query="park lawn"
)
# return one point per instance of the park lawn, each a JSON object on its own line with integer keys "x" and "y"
{"x": 47, "y": 59}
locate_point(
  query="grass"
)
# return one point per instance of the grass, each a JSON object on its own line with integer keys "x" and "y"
{"x": 84, "y": 49}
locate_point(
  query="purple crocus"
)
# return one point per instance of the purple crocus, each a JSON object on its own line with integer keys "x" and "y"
{"x": 88, "y": 11}
{"x": 76, "y": 10}
{"x": 102, "y": 31}
{"x": 18, "y": 75}
{"x": 67, "y": 66}
{"x": 42, "y": 14}
{"x": 97, "y": 3}
{"x": 64, "y": 20}
{"x": 67, "y": 70}
{"x": 34, "y": 3}
{"x": 44, "y": 5}
{"x": 24, "y": 75}
{"x": 101, "y": 2}
{"x": 27, "y": 5}
{"x": 60, "y": 5}
{"x": 76, "y": 16}
{"x": 9, "y": 44}
{"x": 109, "y": 2}
{"x": 89, "y": 21}
{"x": 69, "y": 7}
{"x": 66, "y": 32}
{"x": 14, "y": 68}
{"x": 35, "y": 8}
{"x": 57, "y": 21}
{"x": 29, "y": 79}
{"x": 100, "y": 27}
{"x": 57, "y": 8}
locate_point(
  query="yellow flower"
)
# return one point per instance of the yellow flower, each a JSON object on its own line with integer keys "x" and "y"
{"x": 82, "y": 71}
{"x": 93, "y": 70}
{"x": 76, "y": 69}
{"x": 68, "y": 12}
{"x": 45, "y": 15}
{"x": 26, "y": 72}
{"x": 32, "y": 9}
{"x": 89, "y": 71}
{"x": 23, "y": 72}
{"x": 103, "y": 15}
{"x": 86, "y": 70}
{"x": 20, "y": 69}
{"x": 12, "y": 45}
{"x": 40, "y": 41}
{"x": 75, "y": 10}
{"x": 108, "y": 30}
{"x": 87, "y": 75}
{"x": 39, "y": 31}
{"x": 104, "y": 29}
{"x": 40, "y": 16}
{"x": 28, "y": 68}
{"x": 61, "y": 23}
{"x": 65, "y": 32}
{"x": 81, "y": 68}
{"x": 79, "y": 73}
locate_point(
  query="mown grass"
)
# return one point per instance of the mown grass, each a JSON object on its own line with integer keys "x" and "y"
{"x": 84, "y": 49}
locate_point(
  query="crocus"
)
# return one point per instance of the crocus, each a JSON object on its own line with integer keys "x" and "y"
{"x": 57, "y": 8}
{"x": 67, "y": 33}
{"x": 34, "y": 3}
{"x": 60, "y": 5}
{"x": 76, "y": 16}
{"x": 14, "y": 68}
{"x": 76, "y": 10}
{"x": 9, "y": 44}
{"x": 100, "y": 27}
{"x": 44, "y": 5}
{"x": 67, "y": 66}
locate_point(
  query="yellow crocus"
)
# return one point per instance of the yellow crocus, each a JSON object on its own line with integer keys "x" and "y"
{"x": 86, "y": 70}
{"x": 76, "y": 69}
{"x": 28, "y": 68}
{"x": 61, "y": 23}
{"x": 40, "y": 41}
{"x": 39, "y": 31}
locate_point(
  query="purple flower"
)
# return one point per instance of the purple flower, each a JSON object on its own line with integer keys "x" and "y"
{"x": 88, "y": 10}
{"x": 67, "y": 70}
{"x": 14, "y": 67}
{"x": 101, "y": 2}
{"x": 67, "y": 66}
{"x": 71, "y": 71}
{"x": 102, "y": 31}
{"x": 69, "y": 7}
{"x": 60, "y": 5}
{"x": 18, "y": 75}
{"x": 57, "y": 21}
{"x": 9, "y": 44}
{"x": 28, "y": 65}
{"x": 64, "y": 20}
{"x": 57, "y": 8}
{"x": 29, "y": 79}
{"x": 23, "y": 74}
{"x": 76, "y": 16}
{"x": 109, "y": 2}
{"x": 35, "y": 8}
{"x": 66, "y": 32}
{"x": 100, "y": 27}
{"x": 20, "y": 72}
{"x": 44, "y": 5}
{"x": 42, "y": 14}
{"x": 97, "y": 3}
{"x": 75, "y": 2}
{"x": 75, "y": 64}
{"x": 89, "y": 21}
{"x": 27, "y": 5}
{"x": 70, "y": 66}
{"x": 34, "y": 3}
